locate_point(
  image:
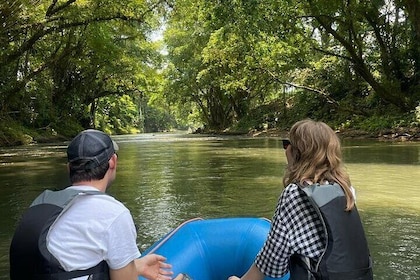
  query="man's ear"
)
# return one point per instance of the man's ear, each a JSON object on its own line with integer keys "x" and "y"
{"x": 113, "y": 161}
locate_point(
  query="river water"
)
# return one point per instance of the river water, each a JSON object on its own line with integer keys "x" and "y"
{"x": 165, "y": 179}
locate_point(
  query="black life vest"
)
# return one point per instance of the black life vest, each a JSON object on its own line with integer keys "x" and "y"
{"x": 29, "y": 256}
{"x": 346, "y": 254}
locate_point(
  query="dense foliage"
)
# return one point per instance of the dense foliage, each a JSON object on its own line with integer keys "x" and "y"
{"x": 342, "y": 61}
{"x": 238, "y": 65}
{"x": 78, "y": 63}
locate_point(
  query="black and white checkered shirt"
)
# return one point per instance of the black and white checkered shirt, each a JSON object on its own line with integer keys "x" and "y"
{"x": 296, "y": 229}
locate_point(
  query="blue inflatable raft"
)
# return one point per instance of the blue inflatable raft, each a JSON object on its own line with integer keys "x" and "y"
{"x": 213, "y": 249}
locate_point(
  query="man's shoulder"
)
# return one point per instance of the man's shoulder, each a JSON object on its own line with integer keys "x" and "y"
{"x": 57, "y": 197}
{"x": 105, "y": 200}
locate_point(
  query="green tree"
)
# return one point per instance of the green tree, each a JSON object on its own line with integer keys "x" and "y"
{"x": 60, "y": 57}
{"x": 378, "y": 40}
{"x": 228, "y": 57}
{"x": 117, "y": 114}
{"x": 358, "y": 57}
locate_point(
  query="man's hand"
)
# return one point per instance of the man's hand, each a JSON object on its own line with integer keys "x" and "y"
{"x": 154, "y": 267}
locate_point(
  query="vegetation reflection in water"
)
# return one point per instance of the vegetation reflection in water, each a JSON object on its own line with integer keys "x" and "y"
{"x": 167, "y": 179}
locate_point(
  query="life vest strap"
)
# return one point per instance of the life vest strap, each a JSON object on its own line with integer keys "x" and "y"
{"x": 100, "y": 270}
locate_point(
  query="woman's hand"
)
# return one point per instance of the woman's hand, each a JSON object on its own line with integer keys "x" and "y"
{"x": 154, "y": 267}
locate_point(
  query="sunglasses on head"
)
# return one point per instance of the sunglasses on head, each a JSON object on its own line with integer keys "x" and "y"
{"x": 286, "y": 143}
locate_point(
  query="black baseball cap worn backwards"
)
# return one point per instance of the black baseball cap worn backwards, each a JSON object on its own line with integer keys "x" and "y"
{"x": 91, "y": 146}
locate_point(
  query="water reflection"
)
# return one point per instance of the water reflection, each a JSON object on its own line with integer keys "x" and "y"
{"x": 394, "y": 242}
{"x": 166, "y": 179}
{"x": 183, "y": 180}
{"x": 381, "y": 152}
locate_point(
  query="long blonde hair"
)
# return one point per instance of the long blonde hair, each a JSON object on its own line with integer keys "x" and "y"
{"x": 316, "y": 157}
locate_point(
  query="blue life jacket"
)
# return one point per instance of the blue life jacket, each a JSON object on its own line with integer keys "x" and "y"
{"x": 346, "y": 254}
{"x": 29, "y": 256}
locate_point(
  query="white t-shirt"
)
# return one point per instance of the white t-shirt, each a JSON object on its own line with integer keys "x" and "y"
{"x": 94, "y": 228}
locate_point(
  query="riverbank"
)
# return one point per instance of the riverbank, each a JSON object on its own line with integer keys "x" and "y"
{"x": 13, "y": 133}
{"x": 400, "y": 134}
{"x": 20, "y": 138}
{"x": 13, "y": 138}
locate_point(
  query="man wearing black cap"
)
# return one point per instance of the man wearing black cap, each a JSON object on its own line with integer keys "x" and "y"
{"x": 81, "y": 232}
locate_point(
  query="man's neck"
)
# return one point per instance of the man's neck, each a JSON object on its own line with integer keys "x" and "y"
{"x": 97, "y": 184}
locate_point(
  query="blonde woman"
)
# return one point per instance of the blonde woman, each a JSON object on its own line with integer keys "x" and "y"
{"x": 316, "y": 231}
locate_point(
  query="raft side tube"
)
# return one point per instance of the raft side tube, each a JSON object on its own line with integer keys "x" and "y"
{"x": 213, "y": 249}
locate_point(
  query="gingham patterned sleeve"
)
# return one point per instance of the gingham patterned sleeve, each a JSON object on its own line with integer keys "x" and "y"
{"x": 296, "y": 228}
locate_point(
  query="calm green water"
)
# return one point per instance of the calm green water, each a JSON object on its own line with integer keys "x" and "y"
{"x": 166, "y": 179}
